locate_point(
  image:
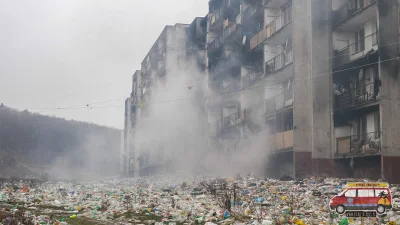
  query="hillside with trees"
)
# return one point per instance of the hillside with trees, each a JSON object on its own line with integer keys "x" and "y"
{"x": 33, "y": 144}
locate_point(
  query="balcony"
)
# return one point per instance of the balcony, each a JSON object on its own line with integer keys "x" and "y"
{"x": 251, "y": 78}
{"x": 231, "y": 120}
{"x": 215, "y": 45}
{"x": 355, "y": 50}
{"x": 280, "y": 141}
{"x": 216, "y": 20}
{"x": 251, "y": 11}
{"x": 366, "y": 143}
{"x": 279, "y": 62}
{"x": 258, "y": 38}
{"x": 223, "y": 87}
{"x": 224, "y": 98}
{"x": 228, "y": 62}
{"x": 279, "y": 102}
{"x": 356, "y": 97}
{"x": 272, "y": 28}
{"x": 352, "y": 8}
{"x": 230, "y": 30}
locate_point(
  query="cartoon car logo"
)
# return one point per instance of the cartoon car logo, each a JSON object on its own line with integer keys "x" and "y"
{"x": 363, "y": 197}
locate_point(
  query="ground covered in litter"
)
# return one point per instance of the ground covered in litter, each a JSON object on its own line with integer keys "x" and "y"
{"x": 187, "y": 200}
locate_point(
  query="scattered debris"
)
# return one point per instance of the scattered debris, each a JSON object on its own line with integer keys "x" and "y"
{"x": 167, "y": 200}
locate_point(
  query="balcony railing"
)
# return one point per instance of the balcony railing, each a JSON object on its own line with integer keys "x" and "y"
{"x": 354, "y": 97}
{"x": 250, "y": 11}
{"x": 228, "y": 31}
{"x": 251, "y": 78}
{"x": 355, "y": 50}
{"x": 258, "y": 38}
{"x": 214, "y": 45}
{"x": 278, "y": 102}
{"x": 216, "y": 17}
{"x": 349, "y": 9}
{"x": 233, "y": 86}
{"x": 231, "y": 120}
{"x": 282, "y": 140}
{"x": 279, "y": 61}
{"x": 359, "y": 144}
{"x": 278, "y": 23}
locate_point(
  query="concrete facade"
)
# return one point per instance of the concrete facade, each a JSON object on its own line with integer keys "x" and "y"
{"x": 172, "y": 54}
{"x": 388, "y": 12}
{"x": 318, "y": 80}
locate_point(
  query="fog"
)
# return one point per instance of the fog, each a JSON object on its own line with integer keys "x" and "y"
{"x": 176, "y": 131}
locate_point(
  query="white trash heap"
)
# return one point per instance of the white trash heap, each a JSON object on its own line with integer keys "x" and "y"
{"x": 189, "y": 200}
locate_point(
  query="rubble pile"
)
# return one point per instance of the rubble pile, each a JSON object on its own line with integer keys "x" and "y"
{"x": 167, "y": 200}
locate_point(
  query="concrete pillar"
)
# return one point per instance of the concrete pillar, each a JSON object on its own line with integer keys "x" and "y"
{"x": 321, "y": 86}
{"x": 302, "y": 108}
{"x": 390, "y": 89}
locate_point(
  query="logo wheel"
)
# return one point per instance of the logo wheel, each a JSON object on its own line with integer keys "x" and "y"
{"x": 340, "y": 209}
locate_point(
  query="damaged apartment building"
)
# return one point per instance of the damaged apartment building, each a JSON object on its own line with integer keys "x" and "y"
{"x": 318, "y": 79}
{"x": 177, "y": 50}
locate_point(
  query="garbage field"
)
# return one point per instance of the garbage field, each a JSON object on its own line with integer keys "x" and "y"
{"x": 189, "y": 200}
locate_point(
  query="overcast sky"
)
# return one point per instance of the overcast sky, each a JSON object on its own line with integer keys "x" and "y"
{"x": 62, "y": 53}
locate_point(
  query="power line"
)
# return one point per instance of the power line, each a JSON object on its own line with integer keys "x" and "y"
{"x": 89, "y": 105}
{"x": 323, "y": 74}
{"x": 294, "y": 64}
{"x": 79, "y": 106}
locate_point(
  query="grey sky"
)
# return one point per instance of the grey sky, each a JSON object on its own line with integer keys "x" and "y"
{"x": 61, "y": 53}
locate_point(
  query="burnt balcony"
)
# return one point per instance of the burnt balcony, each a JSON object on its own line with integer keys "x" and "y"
{"x": 233, "y": 60}
{"x": 234, "y": 85}
{"x": 251, "y": 78}
{"x": 279, "y": 62}
{"x": 232, "y": 3}
{"x": 356, "y": 50}
{"x": 216, "y": 19}
{"x": 279, "y": 102}
{"x": 231, "y": 120}
{"x": 215, "y": 45}
{"x": 272, "y": 28}
{"x": 222, "y": 87}
{"x": 253, "y": 10}
{"x": 356, "y": 97}
{"x": 230, "y": 31}
{"x": 350, "y": 9}
{"x": 360, "y": 144}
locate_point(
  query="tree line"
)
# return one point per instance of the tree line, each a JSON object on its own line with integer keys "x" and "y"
{"x": 37, "y": 139}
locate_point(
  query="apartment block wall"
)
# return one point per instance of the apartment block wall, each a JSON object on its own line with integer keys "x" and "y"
{"x": 313, "y": 40}
{"x": 390, "y": 90}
